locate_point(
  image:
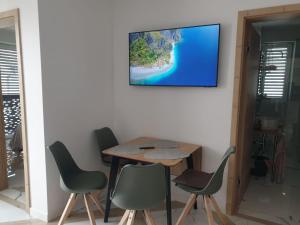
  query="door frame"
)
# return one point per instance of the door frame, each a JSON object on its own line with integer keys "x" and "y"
{"x": 16, "y": 16}
{"x": 244, "y": 18}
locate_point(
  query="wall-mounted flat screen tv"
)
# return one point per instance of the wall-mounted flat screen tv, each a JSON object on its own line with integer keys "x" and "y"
{"x": 186, "y": 56}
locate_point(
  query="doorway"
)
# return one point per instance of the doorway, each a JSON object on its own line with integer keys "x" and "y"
{"x": 264, "y": 122}
{"x": 14, "y": 179}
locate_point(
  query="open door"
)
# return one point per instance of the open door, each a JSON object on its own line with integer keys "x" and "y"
{"x": 247, "y": 109}
{"x": 245, "y": 77}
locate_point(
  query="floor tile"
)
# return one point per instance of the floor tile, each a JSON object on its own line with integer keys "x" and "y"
{"x": 11, "y": 213}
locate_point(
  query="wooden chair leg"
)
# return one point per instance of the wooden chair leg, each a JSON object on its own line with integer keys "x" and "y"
{"x": 70, "y": 205}
{"x": 131, "y": 217}
{"x": 148, "y": 217}
{"x": 89, "y": 209}
{"x": 187, "y": 208}
{"x": 99, "y": 207}
{"x": 208, "y": 211}
{"x": 224, "y": 219}
{"x": 203, "y": 205}
{"x": 124, "y": 217}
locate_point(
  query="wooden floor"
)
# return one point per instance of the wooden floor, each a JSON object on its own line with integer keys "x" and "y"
{"x": 27, "y": 222}
{"x": 138, "y": 221}
{"x": 73, "y": 218}
{"x": 84, "y": 217}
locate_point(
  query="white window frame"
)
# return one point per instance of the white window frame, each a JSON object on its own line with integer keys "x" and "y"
{"x": 290, "y": 45}
{"x": 15, "y": 75}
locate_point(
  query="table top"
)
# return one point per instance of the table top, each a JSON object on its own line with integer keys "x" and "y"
{"x": 186, "y": 147}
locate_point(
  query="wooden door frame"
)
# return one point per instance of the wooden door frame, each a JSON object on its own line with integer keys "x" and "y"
{"x": 244, "y": 18}
{"x": 16, "y": 16}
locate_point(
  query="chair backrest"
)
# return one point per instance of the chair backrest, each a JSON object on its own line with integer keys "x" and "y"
{"x": 65, "y": 163}
{"x": 106, "y": 139}
{"x": 216, "y": 180}
{"x": 140, "y": 187}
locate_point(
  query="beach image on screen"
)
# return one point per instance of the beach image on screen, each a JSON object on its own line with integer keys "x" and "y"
{"x": 175, "y": 57}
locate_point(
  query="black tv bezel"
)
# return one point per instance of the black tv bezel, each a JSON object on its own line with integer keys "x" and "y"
{"x": 151, "y": 85}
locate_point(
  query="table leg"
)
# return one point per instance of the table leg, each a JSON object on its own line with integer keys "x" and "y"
{"x": 111, "y": 184}
{"x": 190, "y": 165}
{"x": 168, "y": 195}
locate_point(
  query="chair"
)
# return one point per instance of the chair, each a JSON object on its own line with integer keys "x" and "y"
{"x": 77, "y": 181}
{"x": 205, "y": 184}
{"x": 139, "y": 187}
{"x": 106, "y": 139}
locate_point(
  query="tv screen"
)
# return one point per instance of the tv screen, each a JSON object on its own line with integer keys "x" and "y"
{"x": 185, "y": 56}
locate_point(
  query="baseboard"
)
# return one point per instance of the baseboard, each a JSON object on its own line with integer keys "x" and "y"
{"x": 36, "y": 214}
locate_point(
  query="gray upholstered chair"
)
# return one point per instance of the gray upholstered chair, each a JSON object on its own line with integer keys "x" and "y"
{"x": 204, "y": 184}
{"x": 139, "y": 187}
{"x": 77, "y": 181}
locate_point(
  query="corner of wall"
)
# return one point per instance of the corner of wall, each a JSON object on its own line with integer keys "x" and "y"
{"x": 37, "y": 214}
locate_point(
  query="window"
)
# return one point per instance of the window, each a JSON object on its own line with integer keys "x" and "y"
{"x": 275, "y": 66}
{"x": 9, "y": 70}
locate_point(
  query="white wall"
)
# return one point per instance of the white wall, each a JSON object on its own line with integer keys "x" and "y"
{"x": 197, "y": 115}
{"x": 76, "y": 50}
{"x": 34, "y": 103}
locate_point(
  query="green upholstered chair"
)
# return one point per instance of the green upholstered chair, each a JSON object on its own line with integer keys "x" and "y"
{"x": 139, "y": 187}
{"x": 106, "y": 139}
{"x": 204, "y": 184}
{"x": 77, "y": 181}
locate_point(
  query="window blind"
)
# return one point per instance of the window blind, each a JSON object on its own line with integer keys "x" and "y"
{"x": 274, "y": 70}
{"x": 9, "y": 70}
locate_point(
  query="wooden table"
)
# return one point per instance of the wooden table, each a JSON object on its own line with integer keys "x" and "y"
{"x": 190, "y": 148}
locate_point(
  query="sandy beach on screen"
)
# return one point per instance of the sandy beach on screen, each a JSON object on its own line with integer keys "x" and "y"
{"x": 143, "y": 73}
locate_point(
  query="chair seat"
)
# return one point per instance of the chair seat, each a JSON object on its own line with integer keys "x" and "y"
{"x": 85, "y": 181}
{"x": 193, "y": 180}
